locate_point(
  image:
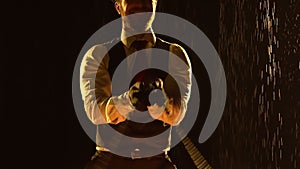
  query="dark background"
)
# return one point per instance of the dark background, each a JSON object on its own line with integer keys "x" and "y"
{"x": 40, "y": 42}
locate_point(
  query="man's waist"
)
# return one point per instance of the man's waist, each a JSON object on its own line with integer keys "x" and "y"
{"x": 135, "y": 153}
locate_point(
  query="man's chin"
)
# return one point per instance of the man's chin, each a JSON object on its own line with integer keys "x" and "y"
{"x": 139, "y": 22}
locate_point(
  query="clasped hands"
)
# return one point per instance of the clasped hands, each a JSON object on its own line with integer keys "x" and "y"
{"x": 148, "y": 95}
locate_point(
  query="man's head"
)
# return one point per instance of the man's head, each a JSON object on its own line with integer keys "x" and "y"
{"x": 138, "y": 21}
{"x": 127, "y": 7}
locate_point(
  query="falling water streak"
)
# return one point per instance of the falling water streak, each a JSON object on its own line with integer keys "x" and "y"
{"x": 291, "y": 51}
{"x": 266, "y": 33}
{"x": 237, "y": 47}
{"x": 254, "y": 55}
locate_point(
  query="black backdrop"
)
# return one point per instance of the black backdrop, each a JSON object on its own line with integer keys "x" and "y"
{"x": 41, "y": 41}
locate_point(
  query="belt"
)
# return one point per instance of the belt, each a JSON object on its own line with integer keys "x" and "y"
{"x": 135, "y": 154}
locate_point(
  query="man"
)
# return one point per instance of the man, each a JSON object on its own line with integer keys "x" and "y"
{"x": 129, "y": 112}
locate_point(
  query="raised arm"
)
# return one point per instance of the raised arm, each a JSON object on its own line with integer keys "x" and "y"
{"x": 95, "y": 85}
{"x": 180, "y": 70}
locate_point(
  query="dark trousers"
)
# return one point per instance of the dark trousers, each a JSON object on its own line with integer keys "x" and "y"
{"x": 107, "y": 160}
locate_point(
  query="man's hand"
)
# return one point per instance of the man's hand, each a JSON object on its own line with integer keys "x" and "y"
{"x": 157, "y": 95}
{"x": 138, "y": 96}
{"x": 140, "y": 91}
